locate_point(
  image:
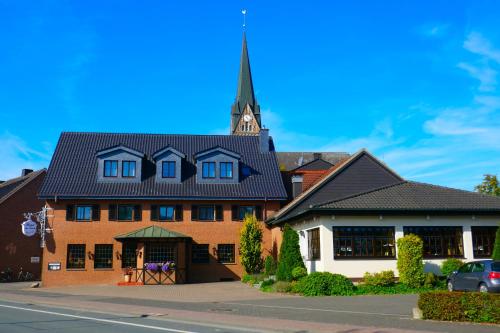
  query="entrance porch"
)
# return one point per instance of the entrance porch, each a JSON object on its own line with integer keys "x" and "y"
{"x": 155, "y": 256}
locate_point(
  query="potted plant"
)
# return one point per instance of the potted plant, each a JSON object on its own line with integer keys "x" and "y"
{"x": 127, "y": 274}
{"x": 153, "y": 267}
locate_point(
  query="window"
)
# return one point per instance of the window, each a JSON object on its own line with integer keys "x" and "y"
{"x": 483, "y": 239}
{"x": 238, "y": 213}
{"x": 129, "y": 256}
{"x": 159, "y": 252}
{"x": 83, "y": 213}
{"x": 110, "y": 168}
{"x": 225, "y": 253}
{"x": 125, "y": 212}
{"x": 76, "y": 256}
{"x": 226, "y": 169}
{"x": 103, "y": 256}
{"x": 166, "y": 213}
{"x": 207, "y": 213}
{"x": 128, "y": 169}
{"x": 208, "y": 169}
{"x": 313, "y": 244}
{"x": 168, "y": 169}
{"x": 199, "y": 254}
{"x": 363, "y": 242}
{"x": 439, "y": 242}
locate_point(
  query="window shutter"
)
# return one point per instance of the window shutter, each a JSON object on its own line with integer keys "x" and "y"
{"x": 178, "y": 212}
{"x": 235, "y": 213}
{"x": 137, "y": 213}
{"x": 112, "y": 212}
{"x": 70, "y": 212}
{"x": 219, "y": 213}
{"x": 258, "y": 213}
{"x": 194, "y": 213}
{"x": 96, "y": 212}
{"x": 154, "y": 212}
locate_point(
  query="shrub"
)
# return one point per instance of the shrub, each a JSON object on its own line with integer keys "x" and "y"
{"x": 410, "y": 263}
{"x": 430, "y": 279}
{"x": 458, "y": 306}
{"x": 298, "y": 273}
{"x": 382, "y": 279}
{"x": 266, "y": 283}
{"x": 496, "y": 249}
{"x": 250, "y": 245}
{"x": 289, "y": 255}
{"x": 270, "y": 266}
{"x": 324, "y": 284}
{"x": 450, "y": 265}
{"x": 252, "y": 278}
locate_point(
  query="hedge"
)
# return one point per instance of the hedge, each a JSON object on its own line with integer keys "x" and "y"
{"x": 410, "y": 262}
{"x": 324, "y": 284}
{"x": 460, "y": 306}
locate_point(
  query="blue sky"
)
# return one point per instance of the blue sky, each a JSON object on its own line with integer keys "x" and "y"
{"x": 414, "y": 82}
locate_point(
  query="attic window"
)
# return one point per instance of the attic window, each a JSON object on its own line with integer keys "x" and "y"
{"x": 208, "y": 170}
{"x": 168, "y": 169}
{"x": 110, "y": 168}
{"x": 128, "y": 169}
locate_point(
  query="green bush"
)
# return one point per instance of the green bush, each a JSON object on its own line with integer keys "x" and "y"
{"x": 270, "y": 266}
{"x": 458, "y": 306}
{"x": 290, "y": 256}
{"x": 252, "y": 278}
{"x": 298, "y": 273}
{"x": 410, "y": 263}
{"x": 382, "y": 279}
{"x": 324, "y": 284}
{"x": 450, "y": 265}
{"x": 266, "y": 283}
{"x": 284, "y": 286}
{"x": 496, "y": 249}
{"x": 250, "y": 245}
{"x": 430, "y": 279}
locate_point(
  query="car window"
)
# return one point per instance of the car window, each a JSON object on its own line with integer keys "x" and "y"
{"x": 465, "y": 268}
{"x": 495, "y": 266}
{"x": 478, "y": 267}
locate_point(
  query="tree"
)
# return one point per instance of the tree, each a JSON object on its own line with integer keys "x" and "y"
{"x": 290, "y": 256}
{"x": 250, "y": 245}
{"x": 496, "y": 248}
{"x": 410, "y": 260}
{"x": 489, "y": 186}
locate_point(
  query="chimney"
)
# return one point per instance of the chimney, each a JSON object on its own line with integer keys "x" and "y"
{"x": 317, "y": 156}
{"x": 26, "y": 172}
{"x": 264, "y": 140}
{"x": 297, "y": 185}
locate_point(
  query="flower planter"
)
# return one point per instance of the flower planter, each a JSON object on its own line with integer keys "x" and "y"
{"x": 127, "y": 278}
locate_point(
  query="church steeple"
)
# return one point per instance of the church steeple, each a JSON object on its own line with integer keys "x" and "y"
{"x": 245, "y": 112}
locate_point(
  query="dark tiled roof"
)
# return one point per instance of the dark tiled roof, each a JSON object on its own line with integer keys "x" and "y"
{"x": 412, "y": 196}
{"x": 315, "y": 165}
{"x": 292, "y": 160}
{"x": 10, "y": 186}
{"x": 73, "y": 169}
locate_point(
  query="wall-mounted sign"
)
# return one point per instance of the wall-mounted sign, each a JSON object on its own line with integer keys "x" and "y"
{"x": 28, "y": 228}
{"x": 35, "y": 260}
{"x": 54, "y": 266}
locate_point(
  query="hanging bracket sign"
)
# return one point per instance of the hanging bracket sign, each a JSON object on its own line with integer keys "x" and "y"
{"x": 29, "y": 228}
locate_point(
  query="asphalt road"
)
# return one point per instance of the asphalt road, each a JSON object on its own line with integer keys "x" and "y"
{"x": 22, "y": 318}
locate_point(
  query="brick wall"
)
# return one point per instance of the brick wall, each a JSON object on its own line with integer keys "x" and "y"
{"x": 104, "y": 231}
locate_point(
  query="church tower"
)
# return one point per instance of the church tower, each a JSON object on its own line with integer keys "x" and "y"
{"x": 245, "y": 112}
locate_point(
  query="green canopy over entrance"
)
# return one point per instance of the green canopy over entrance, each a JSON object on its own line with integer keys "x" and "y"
{"x": 150, "y": 232}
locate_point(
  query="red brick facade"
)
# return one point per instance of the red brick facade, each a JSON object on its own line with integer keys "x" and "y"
{"x": 103, "y": 232}
{"x": 16, "y": 248}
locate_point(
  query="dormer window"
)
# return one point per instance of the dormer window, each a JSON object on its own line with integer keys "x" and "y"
{"x": 208, "y": 170}
{"x": 128, "y": 169}
{"x": 168, "y": 169}
{"x": 110, "y": 168}
{"x": 226, "y": 169}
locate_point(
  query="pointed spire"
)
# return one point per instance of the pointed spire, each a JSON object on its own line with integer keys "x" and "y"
{"x": 245, "y": 93}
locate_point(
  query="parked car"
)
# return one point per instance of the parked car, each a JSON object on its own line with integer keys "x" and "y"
{"x": 481, "y": 275}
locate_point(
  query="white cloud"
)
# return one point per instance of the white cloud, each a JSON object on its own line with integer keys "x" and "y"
{"x": 485, "y": 75}
{"x": 477, "y": 44}
{"x": 17, "y": 155}
{"x": 434, "y": 30}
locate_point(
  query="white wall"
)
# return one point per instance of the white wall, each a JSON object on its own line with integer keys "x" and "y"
{"x": 357, "y": 268}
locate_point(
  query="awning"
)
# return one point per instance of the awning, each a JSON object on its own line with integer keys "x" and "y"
{"x": 151, "y": 232}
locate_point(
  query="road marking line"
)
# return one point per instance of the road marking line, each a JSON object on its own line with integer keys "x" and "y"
{"x": 110, "y": 321}
{"x": 315, "y": 309}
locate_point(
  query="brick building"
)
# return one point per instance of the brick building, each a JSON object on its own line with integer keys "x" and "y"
{"x": 19, "y": 196}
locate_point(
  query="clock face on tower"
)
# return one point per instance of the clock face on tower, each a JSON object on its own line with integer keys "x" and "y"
{"x": 247, "y": 117}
